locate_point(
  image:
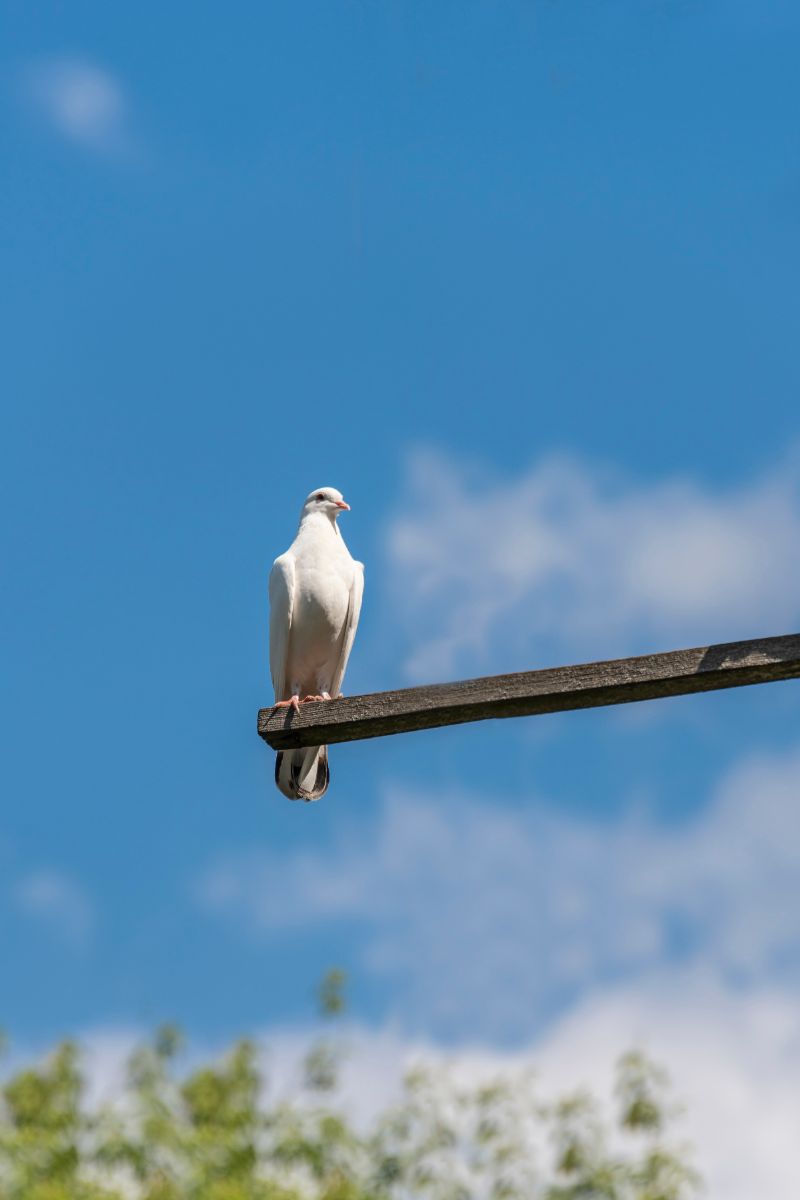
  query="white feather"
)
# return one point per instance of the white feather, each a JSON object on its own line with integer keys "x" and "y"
{"x": 281, "y": 596}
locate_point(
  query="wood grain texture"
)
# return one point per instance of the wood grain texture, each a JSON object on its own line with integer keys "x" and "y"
{"x": 529, "y": 693}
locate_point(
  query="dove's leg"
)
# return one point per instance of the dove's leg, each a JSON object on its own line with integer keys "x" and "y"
{"x": 311, "y": 699}
{"x": 292, "y": 702}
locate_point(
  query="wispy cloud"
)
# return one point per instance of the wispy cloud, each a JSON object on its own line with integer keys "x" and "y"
{"x": 734, "y": 1056}
{"x": 568, "y": 559}
{"x": 83, "y": 102}
{"x": 58, "y": 902}
{"x": 527, "y": 908}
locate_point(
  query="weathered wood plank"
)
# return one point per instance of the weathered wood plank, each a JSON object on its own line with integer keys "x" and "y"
{"x": 529, "y": 693}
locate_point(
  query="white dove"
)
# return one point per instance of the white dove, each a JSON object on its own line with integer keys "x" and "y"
{"x": 315, "y": 591}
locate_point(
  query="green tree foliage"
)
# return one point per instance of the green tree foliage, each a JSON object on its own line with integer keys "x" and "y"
{"x": 214, "y": 1132}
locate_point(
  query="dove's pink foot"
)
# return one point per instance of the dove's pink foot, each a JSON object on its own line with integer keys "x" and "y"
{"x": 311, "y": 699}
{"x": 292, "y": 702}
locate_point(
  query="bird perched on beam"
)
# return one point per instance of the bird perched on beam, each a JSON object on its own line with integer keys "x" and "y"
{"x": 315, "y": 591}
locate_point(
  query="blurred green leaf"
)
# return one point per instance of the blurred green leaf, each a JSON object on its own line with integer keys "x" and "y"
{"x": 331, "y": 993}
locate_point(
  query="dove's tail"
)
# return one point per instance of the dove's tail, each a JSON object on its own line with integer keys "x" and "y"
{"x": 303, "y": 774}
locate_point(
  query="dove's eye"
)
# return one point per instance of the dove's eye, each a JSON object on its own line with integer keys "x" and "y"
{"x": 320, "y": 496}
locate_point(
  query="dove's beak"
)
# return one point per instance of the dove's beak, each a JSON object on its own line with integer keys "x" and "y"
{"x": 341, "y": 504}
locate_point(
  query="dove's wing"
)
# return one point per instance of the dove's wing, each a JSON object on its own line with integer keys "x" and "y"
{"x": 281, "y": 602}
{"x": 350, "y": 626}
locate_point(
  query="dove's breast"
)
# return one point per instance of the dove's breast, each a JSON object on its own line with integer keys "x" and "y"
{"x": 321, "y": 602}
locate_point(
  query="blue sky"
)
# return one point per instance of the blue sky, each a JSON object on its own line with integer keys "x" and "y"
{"x": 520, "y": 279}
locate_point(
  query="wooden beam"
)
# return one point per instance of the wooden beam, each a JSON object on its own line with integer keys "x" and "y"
{"x": 529, "y": 693}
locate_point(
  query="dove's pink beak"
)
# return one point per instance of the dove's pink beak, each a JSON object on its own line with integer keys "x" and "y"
{"x": 341, "y": 504}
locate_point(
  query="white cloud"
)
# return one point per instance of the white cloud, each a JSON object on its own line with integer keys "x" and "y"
{"x": 487, "y": 918}
{"x": 568, "y": 558}
{"x": 85, "y": 103}
{"x": 734, "y": 1058}
{"x": 58, "y": 902}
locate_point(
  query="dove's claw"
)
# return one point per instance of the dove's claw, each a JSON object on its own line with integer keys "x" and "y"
{"x": 311, "y": 699}
{"x": 293, "y": 702}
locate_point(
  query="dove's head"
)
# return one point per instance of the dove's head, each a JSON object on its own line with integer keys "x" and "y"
{"x": 325, "y": 500}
